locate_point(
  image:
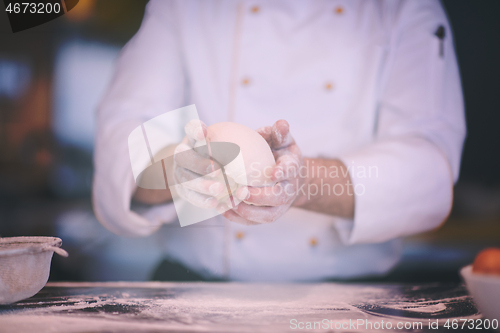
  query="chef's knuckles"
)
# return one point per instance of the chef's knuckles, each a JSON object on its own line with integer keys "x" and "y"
{"x": 277, "y": 195}
{"x": 256, "y": 214}
{"x": 232, "y": 216}
{"x": 196, "y": 198}
{"x": 199, "y": 184}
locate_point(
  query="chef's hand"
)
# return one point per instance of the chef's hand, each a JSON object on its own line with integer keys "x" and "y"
{"x": 267, "y": 204}
{"x": 197, "y": 174}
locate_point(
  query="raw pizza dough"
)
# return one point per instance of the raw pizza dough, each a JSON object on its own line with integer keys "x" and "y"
{"x": 255, "y": 163}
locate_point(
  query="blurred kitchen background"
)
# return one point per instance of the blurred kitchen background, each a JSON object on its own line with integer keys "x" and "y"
{"x": 52, "y": 77}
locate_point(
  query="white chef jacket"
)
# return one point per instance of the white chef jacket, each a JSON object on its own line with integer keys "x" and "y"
{"x": 366, "y": 82}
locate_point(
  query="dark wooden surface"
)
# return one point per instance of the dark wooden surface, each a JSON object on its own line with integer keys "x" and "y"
{"x": 233, "y": 307}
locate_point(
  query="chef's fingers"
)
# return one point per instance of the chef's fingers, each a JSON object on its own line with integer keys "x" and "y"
{"x": 232, "y": 216}
{"x": 265, "y": 132}
{"x": 292, "y": 149}
{"x": 188, "y": 158}
{"x": 287, "y": 164}
{"x": 196, "y": 130}
{"x": 259, "y": 214}
{"x": 195, "y": 198}
{"x": 280, "y": 135}
{"x": 195, "y": 182}
{"x": 277, "y": 136}
{"x": 277, "y": 195}
{"x": 242, "y": 193}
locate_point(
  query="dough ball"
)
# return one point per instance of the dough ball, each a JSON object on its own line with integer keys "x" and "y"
{"x": 487, "y": 262}
{"x": 255, "y": 163}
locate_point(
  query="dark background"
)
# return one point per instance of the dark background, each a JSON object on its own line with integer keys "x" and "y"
{"x": 477, "y": 42}
{"x": 45, "y": 180}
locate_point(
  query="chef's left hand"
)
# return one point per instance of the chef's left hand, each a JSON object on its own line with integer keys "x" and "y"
{"x": 267, "y": 204}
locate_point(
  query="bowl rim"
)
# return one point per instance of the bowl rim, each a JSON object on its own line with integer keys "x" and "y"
{"x": 467, "y": 273}
{"x": 35, "y": 244}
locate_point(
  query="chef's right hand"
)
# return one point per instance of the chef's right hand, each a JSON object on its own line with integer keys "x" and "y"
{"x": 197, "y": 175}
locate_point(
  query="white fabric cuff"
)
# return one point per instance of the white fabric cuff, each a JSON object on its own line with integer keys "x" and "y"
{"x": 401, "y": 187}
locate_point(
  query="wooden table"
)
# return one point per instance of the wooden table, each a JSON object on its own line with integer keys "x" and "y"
{"x": 238, "y": 307}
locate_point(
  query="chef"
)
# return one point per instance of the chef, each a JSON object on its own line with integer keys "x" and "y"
{"x": 368, "y": 88}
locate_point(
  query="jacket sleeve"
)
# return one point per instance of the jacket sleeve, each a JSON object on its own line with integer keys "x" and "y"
{"x": 415, "y": 156}
{"x": 148, "y": 81}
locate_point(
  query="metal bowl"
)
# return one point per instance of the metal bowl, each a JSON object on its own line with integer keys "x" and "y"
{"x": 25, "y": 265}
